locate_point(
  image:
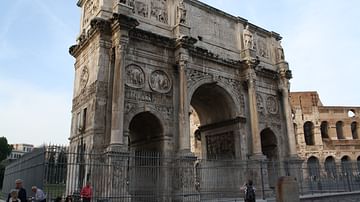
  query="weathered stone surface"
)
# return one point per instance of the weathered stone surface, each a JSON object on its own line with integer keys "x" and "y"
{"x": 287, "y": 190}
{"x": 324, "y": 141}
{"x": 179, "y": 77}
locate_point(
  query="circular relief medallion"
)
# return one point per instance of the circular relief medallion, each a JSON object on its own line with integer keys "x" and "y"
{"x": 135, "y": 76}
{"x": 160, "y": 81}
{"x": 272, "y": 105}
{"x": 84, "y": 77}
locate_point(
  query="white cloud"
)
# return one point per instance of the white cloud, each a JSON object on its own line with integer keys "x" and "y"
{"x": 31, "y": 115}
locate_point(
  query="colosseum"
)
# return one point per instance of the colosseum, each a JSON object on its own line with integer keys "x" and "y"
{"x": 326, "y": 136}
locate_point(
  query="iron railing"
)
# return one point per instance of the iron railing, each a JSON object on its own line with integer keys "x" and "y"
{"x": 152, "y": 176}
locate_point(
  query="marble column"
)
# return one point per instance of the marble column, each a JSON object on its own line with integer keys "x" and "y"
{"x": 184, "y": 127}
{"x": 284, "y": 89}
{"x": 254, "y": 120}
{"x": 117, "y": 119}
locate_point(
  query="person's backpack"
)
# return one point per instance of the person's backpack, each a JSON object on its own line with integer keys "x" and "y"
{"x": 250, "y": 193}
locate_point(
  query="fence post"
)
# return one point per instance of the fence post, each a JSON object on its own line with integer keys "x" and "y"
{"x": 262, "y": 180}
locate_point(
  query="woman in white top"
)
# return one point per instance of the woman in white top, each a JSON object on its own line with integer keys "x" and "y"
{"x": 14, "y": 196}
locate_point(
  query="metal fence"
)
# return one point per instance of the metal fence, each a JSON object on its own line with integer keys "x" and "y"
{"x": 151, "y": 176}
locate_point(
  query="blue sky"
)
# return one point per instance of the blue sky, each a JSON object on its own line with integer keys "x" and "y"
{"x": 321, "y": 40}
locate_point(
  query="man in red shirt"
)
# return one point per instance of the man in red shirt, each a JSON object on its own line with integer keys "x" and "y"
{"x": 86, "y": 192}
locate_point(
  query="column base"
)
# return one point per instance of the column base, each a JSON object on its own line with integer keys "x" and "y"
{"x": 116, "y": 148}
{"x": 186, "y": 153}
{"x": 257, "y": 157}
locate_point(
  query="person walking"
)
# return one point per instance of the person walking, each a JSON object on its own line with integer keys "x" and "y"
{"x": 86, "y": 192}
{"x": 21, "y": 192}
{"x": 249, "y": 191}
{"x": 40, "y": 196}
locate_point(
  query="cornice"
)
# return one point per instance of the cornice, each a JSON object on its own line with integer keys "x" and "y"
{"x": 152, "y": 38}
{"x": 125, "y": 21}
{"x": 97, "y": 24}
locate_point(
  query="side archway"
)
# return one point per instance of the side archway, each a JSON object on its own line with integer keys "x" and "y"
{"x": 269, "y": 147}
{"x": 145, "y": 133}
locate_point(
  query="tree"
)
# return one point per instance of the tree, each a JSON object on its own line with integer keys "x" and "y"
{"x": 5, "y": 148}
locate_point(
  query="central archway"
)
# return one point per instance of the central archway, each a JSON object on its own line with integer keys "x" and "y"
{"x": 213, "y": 122}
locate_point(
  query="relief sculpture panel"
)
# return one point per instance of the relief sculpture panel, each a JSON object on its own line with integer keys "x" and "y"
{"x": 160, "y": 82}
{"x": 159, "y": 11}
{"x": 135, "y": 76}
{"x": 272, "y": 105}
{"x": 84, "y": 77}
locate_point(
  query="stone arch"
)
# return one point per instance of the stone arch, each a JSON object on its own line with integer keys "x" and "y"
{"x": 309, "y": 133}
{"x": 330, "y": 166}
{"x": 324, "y": 129}
{"x": 346, "y": 167}
{"x": 269, "y": 147}
{"x": 145, "y": 132}
{"x": 354, "y": 130}
{"x": 148, "y": 108}
{"x": 313, "y": 167}
{"x": 339, "y": 130}
{"x": 218, "y": 121}
{"x": 234, "y": 95}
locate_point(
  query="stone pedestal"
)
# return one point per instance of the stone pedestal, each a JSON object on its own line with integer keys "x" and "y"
{"x": 287, "y": 190}
{"x": 122, "y": 8}
{"x": 184, "y": 182}
{"x": 181, "y": 30}
{"x": 117, "y": 187}
{"x": 247, "y": 54}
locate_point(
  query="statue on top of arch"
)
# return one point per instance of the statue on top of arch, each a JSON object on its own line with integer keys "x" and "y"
{"x": 248, "y": 38}
{"x": 181, "y": 13}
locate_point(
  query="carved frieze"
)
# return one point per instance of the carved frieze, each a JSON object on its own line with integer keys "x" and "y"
{"x": 165, "y": 111}
{"x": 84, "y": 77}
{"x": 194, "y": 76}
{"x": 262, "y": 48}
{"x": 160, "y": 82}
{"x": 220, "y": 146}
{"x": 272, "y": 106}
{"x": 90, "y": 8}
{"x": 260, "y": 103}
{"x": 159, "y": 11}
{"x": 135, "y": 76}
{"x": 129, "y": 106}
{"x": 139, "y": 95}
{"x": 141, "y": 9}
{"x": 242, "y": 104}
{"x": 84, "y": 97}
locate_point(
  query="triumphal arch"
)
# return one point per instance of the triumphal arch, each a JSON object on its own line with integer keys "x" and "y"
{"x": 181, "y": 78}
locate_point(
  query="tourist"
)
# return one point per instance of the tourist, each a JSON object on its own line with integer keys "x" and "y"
{"x": 249, "y": 191}
{"x": 13, "y": 196}
{"x": 69, "y": 199}
{"x": 40, "y": 196}
{"x": 86, "y": 192}
{"x": 21, "y": 192}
